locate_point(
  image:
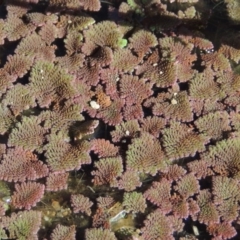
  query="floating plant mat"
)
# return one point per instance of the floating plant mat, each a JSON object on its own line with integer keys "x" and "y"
{"x": 119, "y": 119}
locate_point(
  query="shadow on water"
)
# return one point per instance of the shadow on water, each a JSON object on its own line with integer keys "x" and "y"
{"x": 216, "y": 25}
{"x": 214, "y": 21}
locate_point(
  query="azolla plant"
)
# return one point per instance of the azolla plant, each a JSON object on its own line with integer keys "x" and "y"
{"x": 119, "y": 120}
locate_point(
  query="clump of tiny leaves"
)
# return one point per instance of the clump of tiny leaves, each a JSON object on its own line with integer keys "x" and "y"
{"x": 119, "y": 120}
